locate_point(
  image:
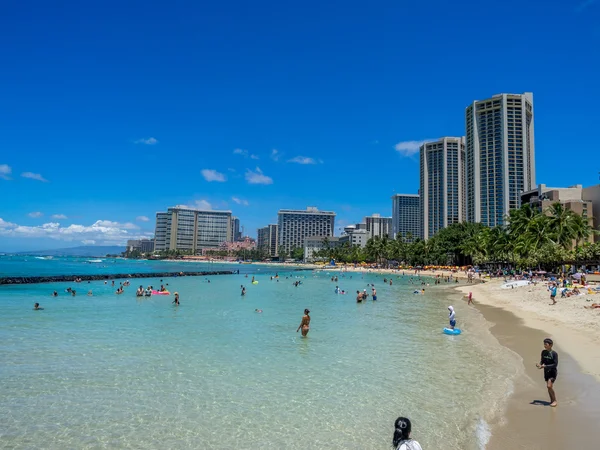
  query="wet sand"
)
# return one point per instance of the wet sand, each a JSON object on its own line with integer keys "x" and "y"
{"x": 529, "y": 422}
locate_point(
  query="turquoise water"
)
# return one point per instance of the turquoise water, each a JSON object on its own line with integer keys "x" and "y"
{"x": 112, "y": 371}
{"x": 39, "y": 266}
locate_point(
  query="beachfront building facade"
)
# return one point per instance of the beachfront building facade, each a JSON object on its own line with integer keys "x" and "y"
{"x": 267, "y": 240}
{"x": 356, "y": 235}
{"x": 192, "y": 230}
{"x": 500, "y": 156}
{"x": 442, "y": 188}
{"x": 236, "y": 235}
{"x": 406, "y": 216}
{"x": 160, "y": 231}
{"x": 294, "y": 226}
{"x": 592, "y": 194}
{"x": 375, "y": 225}
{"x": 140, "y": 245}
{"x": 573, "y": 198}
{"x": 314, "y": 244}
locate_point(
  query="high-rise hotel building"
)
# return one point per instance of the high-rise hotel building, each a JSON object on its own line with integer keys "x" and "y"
{"x": 296, "y": 225}
{"x": 378, "y": 226}
{"x": 267, "y": 239}
{"x": 182, "y": 228}
{"x": 442, "y": 184}
{"x": 406, "y": 216}
{"x": 500, "y": 156}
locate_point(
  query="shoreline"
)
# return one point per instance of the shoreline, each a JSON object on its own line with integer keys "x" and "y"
{"x": 527, "y": 420}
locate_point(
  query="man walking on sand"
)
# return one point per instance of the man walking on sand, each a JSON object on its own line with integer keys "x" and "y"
{"x": 549, "y": 362}
{"x": 553, "y": 294}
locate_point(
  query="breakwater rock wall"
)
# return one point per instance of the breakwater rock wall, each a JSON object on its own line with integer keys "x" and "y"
{"x": 102, "y": 277}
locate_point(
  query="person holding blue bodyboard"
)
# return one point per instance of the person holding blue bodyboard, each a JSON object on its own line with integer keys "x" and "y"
{"x": 452, "y": 318}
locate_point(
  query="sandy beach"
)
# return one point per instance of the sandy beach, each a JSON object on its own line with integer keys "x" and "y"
{"x": 521, "y": 318}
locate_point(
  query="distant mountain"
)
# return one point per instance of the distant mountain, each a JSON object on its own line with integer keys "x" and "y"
{"x": 85, "y": 251}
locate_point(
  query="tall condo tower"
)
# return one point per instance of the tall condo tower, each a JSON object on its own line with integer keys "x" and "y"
{"x": 500, "y": 156}
{"x": 267, "y": 239}
{"x": 182, "y": 228}
{"x": 406, "y": 216}
{"x": 442, "y": 184}
{"x": 296, "y": 225}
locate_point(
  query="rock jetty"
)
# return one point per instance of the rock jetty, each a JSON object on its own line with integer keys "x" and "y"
{"x": 102, "y": 277}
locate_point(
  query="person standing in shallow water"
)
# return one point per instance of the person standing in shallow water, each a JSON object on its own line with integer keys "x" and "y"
{"x": 304, "y": 323}
{"x": 549, "y": 362}
{"x": 402, "y": 439}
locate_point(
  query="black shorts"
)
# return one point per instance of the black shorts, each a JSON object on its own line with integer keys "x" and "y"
{"x": 550, "y": 375}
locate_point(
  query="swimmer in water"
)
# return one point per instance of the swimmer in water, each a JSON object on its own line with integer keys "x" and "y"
{"x": 243, "y": 290}
{"x": 36, "y": 307}
{"x": 176, "y": 301}
{"x": 55, "y": 294}
{"x": 374, "y": 294}
{"x": 305, "y": 323}
{"x": 90, "y": 293}
{"x": 452, "y": 317}
{"x": 359, "y": 297}
{"x": 258, "y": 310}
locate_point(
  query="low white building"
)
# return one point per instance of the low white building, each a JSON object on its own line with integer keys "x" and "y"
{"x": 314, "y": 244}
{"x": 357, "y": 235}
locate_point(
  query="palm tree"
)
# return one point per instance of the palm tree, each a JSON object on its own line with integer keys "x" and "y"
{"x": 561, "y": 224}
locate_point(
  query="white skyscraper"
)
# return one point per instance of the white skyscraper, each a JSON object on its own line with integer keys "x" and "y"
{"x": 442, "y": 184}
{"x": 500, "y": 156}
{"x": 296, "y": 225}
{"x": 378, "y": 226}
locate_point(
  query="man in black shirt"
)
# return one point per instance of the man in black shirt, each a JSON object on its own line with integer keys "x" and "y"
{"x": 549, "y": 362}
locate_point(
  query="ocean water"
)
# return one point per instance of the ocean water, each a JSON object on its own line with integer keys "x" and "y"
{"x": 115, "y": 371}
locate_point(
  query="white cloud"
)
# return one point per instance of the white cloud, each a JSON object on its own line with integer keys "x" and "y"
{"x": 88, "y": 242}
{"x": 257, "y": 177}
{"x": 35, "y": 214}
{"x": 34, "y": 176}
{"x": 149, "y": 141}
{"x": 4, "y": 224}
{"x": 5, "y": 171}
{"x": 102, "y": 231}
{"x": 58, "y": 216}
{"x": 409, "y": 148}
{"x": 202, "y": 204}
{"x": 213, "y": 175}
{"x": 110, "y": 224}
{"x": 240, "y": 201}
{"x": 304, "y": 160}
{"x": 275, "y": 154}
{"x": 244, "y": 153}
{"x": 142, "y": 219}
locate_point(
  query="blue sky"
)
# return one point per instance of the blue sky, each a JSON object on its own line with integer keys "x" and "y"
{"x": 111, "y": 111}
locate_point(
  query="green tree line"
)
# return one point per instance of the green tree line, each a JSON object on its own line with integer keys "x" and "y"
{"x": 531, "y": 239}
